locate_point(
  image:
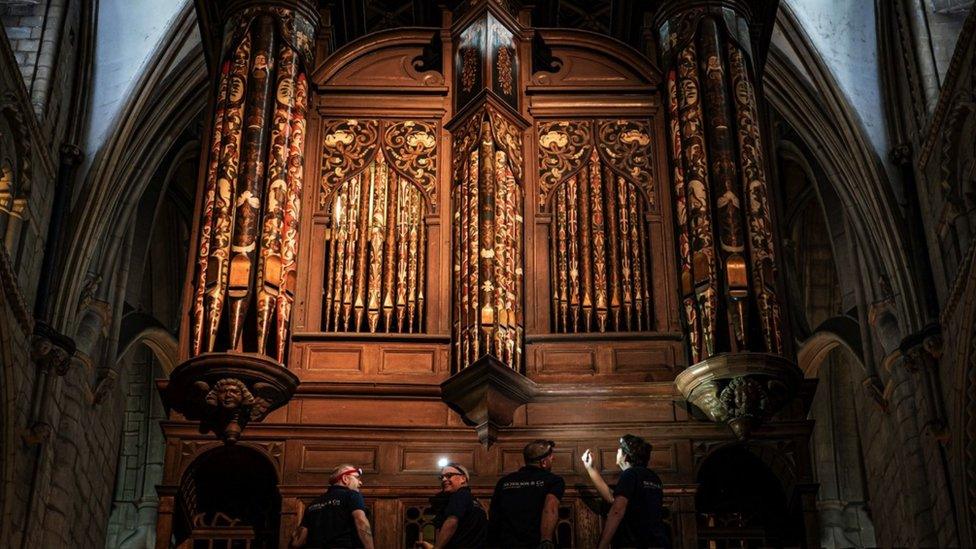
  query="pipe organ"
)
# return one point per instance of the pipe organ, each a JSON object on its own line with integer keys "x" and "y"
{"x": 445, "y": 242}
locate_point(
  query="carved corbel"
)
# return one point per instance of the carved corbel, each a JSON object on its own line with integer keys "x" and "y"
{"x": 226, "y": 391}
{"x": 50, "y": 350}
{"x": 739, "y": 389}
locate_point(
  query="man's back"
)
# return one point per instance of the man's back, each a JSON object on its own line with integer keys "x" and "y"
{"x": 643, "y": 524}
{"x": 516, "y": 506}
{"x": 329, "y": 519}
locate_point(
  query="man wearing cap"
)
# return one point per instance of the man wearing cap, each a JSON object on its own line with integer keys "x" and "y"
{"x": 460, "y": 521}
{"x": 338, "y": 517}
{"x": 525, "y": 506}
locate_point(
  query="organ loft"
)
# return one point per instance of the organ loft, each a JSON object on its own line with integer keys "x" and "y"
{"x": 246, "y": 242}
{"x": 447, "y": 242}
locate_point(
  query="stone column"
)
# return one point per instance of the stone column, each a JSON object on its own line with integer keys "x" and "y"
{"x": 248, "y": 218}
{"x": 731, "y": 294}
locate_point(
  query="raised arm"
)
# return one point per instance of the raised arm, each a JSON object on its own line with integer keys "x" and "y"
{"x": 595, "y": 478}
{"x": 362, "y": 528}
{"x": 446, "y": 532}
{"x": 617, "y": 511}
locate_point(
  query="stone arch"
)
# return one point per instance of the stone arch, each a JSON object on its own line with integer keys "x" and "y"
{"x": 167, "y": 98}
{"x": 809, "y": 99}
{"x": 840, "y": 332}
{"x": 141, "y": 328}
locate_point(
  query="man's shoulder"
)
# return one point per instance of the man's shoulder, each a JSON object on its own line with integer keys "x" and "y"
{"x": 553, "y": 477}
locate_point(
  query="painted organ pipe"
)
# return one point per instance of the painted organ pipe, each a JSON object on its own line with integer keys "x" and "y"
{"x": 595, "y": 179}
{"x": 741, "y": 370}
{"x": 245, "y": 275}
{"x": 377, "y": 186}
{"x": 729, "y": 291}
{"x": 488, "y": 228}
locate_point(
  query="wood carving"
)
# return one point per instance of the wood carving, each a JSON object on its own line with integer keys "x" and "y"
{"x": 487, "y": 206}
{"x": 248, "y": 235}
{"x": 377, "y": 193}
{"x": 727, "y": 262}
{"x": 599, "y": 247}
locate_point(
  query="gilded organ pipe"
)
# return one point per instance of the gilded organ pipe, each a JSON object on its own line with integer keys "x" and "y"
{"x": 487, "y": 202}
{"x": 248, "y": 241}
{"x": 373, "y": 191}
{"x": 725, "y": 242}
{"x": 595, "y": 178}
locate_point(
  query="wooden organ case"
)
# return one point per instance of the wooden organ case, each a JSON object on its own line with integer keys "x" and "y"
{"x": 481, "y": 191}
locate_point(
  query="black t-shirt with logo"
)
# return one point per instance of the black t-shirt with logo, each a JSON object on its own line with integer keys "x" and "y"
{"x": 642, "y": 526}
{"x": 329, "y": 519}
{"x": 472, "y": 520}
{"x": 516, "y": 506}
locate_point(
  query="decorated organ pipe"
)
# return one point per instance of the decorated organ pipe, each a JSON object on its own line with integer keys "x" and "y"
{"x": 487, "y": 206}
{"x": 595, "y": 180}
{"x": 244, "y": 268}
{"x": 730, "y": 294}
{"x": 245, "y": 276}
{"x": 377, "y": 187}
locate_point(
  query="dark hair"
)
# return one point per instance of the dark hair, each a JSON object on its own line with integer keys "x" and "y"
{"x": 537, "y": 450}
{"x": 636, "y": 450}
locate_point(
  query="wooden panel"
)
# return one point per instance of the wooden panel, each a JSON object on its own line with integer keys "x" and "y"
{"x": 595, "y": 411}
{"x": 416, "y": 460}
{"x": 322, "y": 459}
{"x": 406, "y": 360}
{"x": 372, "y": 412}
{"x": 663, "y": 459}
{"x": 564, "y": 460}
{"x": 568, "y": 359}
{"x": 656, "y": 362}
{"x": 332, "y": 359}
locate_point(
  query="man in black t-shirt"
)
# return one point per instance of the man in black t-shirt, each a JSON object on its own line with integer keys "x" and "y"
{"x": 525, "y": 506}
{"x": 336, "y": 519}
{"x": 460, "y": 521}
{"x": 636, "y": 513}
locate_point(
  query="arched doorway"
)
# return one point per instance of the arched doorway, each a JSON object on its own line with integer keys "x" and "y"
{"x": 228, "y": 498}
{"x": 741, "y": 503}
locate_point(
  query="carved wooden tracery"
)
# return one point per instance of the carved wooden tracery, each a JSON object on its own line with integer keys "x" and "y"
{"x": 378, "y": 183}
{"x": 595, "y": 177}
{"x": 488, "y": 227}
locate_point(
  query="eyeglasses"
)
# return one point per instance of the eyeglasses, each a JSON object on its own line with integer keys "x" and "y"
{"x": 449, "y": 476}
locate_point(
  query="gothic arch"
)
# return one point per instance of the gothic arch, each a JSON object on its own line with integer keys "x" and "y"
{"x": 140, "y": 328}
{"x": 817, "y": 110}
{"x": 167, "y": 98}
{"x": 837, "y": 332}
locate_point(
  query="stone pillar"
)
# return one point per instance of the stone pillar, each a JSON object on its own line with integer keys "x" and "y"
{"x": 731, "y": 294}
{"x": 488, "y": 196}
{"x": 248, "y": 218}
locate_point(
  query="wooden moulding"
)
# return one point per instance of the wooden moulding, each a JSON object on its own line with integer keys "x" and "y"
{"x": 486, "y": 394}
{"x": 225, "y": 391}
{"x": 740, "y": 389}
